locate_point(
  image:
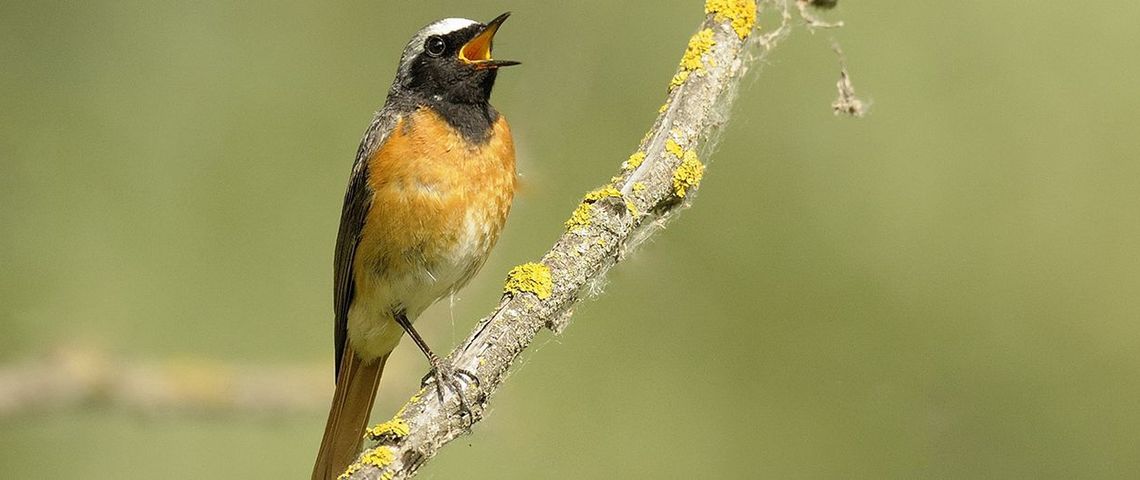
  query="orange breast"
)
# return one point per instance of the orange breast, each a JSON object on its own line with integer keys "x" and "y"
{"x": 439, "y": 200}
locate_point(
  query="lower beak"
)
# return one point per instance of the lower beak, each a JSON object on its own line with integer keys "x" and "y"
{"x": 477, "y": 51}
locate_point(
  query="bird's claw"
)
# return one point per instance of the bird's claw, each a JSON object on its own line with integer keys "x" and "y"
{"x": 445, "y": 377}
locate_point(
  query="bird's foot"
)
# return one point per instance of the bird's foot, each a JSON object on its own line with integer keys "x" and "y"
{"x": 444, "y": 377}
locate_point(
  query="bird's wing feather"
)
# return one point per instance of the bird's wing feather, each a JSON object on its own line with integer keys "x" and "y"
{"x": 357, "y": 200}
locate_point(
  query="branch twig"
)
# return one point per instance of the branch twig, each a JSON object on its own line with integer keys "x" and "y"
{"x": 846, "y": 103}
{"x": 655, "y": 182}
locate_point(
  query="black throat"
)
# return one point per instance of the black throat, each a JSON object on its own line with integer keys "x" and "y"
{"x": 474, "y": 121}
{"x": 459, "y": 93}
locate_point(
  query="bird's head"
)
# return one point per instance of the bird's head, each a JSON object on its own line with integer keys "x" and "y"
{"x": 450, "y": 60}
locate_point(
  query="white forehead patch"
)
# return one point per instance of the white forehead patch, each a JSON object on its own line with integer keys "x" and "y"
{"x": 446, "y": 26}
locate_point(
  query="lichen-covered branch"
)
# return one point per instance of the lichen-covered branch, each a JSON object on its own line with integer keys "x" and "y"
{"x": 658, "y": 179}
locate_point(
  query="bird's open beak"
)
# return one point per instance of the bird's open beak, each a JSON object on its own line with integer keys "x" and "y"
{"x": 477, "y": 51}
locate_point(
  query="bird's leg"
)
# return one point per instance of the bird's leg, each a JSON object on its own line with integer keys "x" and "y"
{"x": 440, "y": 374}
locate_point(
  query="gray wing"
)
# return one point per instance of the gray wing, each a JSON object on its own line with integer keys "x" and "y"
{"x": 357, "y": 200}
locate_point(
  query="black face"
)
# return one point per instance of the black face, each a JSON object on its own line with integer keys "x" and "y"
{"x": 439, "y": 74}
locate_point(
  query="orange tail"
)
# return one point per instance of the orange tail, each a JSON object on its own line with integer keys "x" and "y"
{"x": 348, "y": 416}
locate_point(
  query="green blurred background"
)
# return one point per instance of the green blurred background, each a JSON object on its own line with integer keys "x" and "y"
{"x": 947, "y": 288}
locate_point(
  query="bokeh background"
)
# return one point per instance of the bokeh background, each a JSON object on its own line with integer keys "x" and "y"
{"x": 947, "y": 288}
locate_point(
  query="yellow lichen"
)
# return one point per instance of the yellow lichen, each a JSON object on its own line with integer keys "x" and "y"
{"x": 606, "y": 191}
{"x": 378, "y": 457}
{"x": 678, "y": 80}
{"x": 741, "y": 14}
{"x": 638, "y": 186}
{"x": 530, "y": 277}
{"x": 688, "y": 174}
{"x": 349, "y": 471}
{"x": 699, "y": 44}
{"x": 581, "y": 217}
{"x": 634, "y": 161}
{"x": 674, "y": 148}
{"x": 395, "y": 429}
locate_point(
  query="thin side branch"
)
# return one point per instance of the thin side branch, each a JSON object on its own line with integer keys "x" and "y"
{"x": 846, "y": 103}
{"x": 655, "y": 182}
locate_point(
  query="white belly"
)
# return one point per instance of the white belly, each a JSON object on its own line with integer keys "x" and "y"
{"x": 371, "y": 325}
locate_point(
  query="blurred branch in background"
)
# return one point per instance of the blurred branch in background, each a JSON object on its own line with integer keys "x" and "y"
{"x": 656, "y": 182}
{"x": 74, "y": 377}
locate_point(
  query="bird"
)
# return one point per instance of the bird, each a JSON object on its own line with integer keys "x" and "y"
{"x": 430, "y": 190}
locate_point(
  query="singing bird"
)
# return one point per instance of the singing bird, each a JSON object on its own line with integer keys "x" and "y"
{"x": 430, "y": 189}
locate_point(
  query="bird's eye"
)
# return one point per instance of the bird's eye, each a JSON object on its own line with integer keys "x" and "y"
{"x": 435, "y": 45}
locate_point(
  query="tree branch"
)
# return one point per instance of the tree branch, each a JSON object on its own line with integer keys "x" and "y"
{"x": 655, "y": 182}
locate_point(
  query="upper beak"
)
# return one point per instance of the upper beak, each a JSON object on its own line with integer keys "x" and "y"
{"x": 477, "y": 51}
